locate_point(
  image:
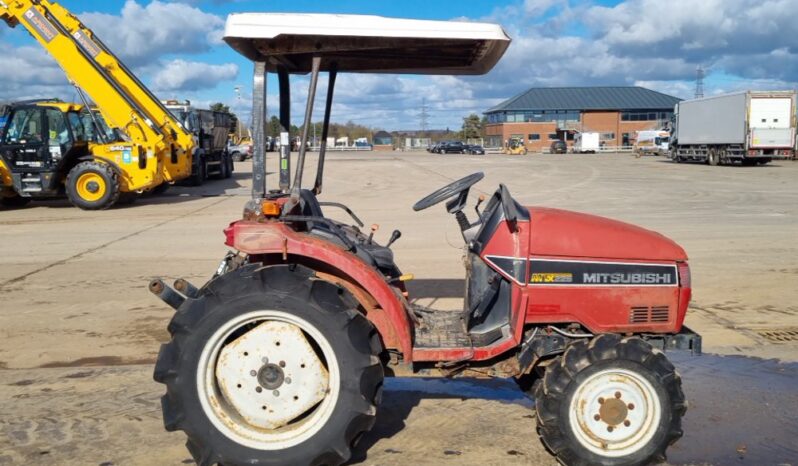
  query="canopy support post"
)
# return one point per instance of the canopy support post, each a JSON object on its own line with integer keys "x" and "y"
{"x": 300, "y": 163}
{"x": 325, "y": 128}
{"x": 259, "y": 132}
{"x": 285, "y": 131}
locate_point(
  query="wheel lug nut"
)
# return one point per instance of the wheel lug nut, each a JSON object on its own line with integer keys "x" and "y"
{"x": 601, "y": 401}
{"x": 618, "y": 395}
{"x": 288, "y": 380}
{"x": 258, "y": 389}
{"x": 276, "y": 393}
{"x": 631, "y": 406}
{"x": 627, "y": 423}
{"x": 597, "y": 417}
{"x": 610, "y": 429}
{"x": 265, "y": 360}
{"x": 282, "y": 363}
{"x": 253, "y": 373}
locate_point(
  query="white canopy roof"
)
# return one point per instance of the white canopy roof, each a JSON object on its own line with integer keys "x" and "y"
{"x": 366, "y": 44}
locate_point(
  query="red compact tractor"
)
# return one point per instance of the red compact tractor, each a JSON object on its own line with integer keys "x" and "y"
{"x": 280, "y": 358}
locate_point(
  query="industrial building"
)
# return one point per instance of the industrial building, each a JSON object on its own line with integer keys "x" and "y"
{"x": 540, "y": 116}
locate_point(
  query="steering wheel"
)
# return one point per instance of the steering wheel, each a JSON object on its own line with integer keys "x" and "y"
{"x": 459, "y": 187}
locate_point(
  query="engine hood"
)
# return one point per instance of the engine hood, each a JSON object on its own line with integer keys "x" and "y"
{"x": 556, "y": 232}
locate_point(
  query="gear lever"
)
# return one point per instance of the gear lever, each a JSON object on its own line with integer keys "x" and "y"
{"x": 394, "y": 236}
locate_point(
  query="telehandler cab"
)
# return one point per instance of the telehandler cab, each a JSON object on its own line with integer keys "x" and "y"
{"x": 50, "y": 148}
{"x": 280, "y": 358}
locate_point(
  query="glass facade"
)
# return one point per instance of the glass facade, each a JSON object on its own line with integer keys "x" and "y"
{"x": 568, "y": 116}
{"x": 646, "y": 116}
{"x": 559, "y": 116}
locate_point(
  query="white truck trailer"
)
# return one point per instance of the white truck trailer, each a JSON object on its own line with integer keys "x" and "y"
{"x": 586, "y": 142}
{"x": 750, "y": 127}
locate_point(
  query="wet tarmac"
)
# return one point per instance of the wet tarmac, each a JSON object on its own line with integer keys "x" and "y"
{"x": 742, "y": 411}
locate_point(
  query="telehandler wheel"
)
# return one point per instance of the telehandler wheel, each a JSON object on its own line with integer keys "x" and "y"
{"x": 14, "y": 200}
{"x": 610, "y": 401}
{"x": 270, "y": 366}
{"x": 92, "y": 185}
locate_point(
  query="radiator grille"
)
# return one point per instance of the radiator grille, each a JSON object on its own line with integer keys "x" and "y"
{"x": 649, "y": 315}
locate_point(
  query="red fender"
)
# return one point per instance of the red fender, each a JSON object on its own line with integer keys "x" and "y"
{"x": 388, "y": 316}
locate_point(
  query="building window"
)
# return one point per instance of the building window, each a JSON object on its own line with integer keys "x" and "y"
{"x": 625, "y": 140}
{"x": 646, "y": 116}
{"x": 552, "y": 136}
{"x": 607, "y": 136}
{"x": 534, "y": 137}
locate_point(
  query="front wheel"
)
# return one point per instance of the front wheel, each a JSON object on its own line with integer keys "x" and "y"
{"x": 92, "y": 185}
{"x": 610, "y": 401}
{"x": 269, "y": 367}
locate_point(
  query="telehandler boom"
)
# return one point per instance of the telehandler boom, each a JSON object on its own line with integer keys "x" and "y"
{"x": 160, "y": 149}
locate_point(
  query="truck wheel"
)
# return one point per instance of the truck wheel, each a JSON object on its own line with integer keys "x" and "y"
{"x": 14, "y": 200}
{"x": 230, "y": 166}
{"x": 611, "y": 401}
{"x": 713, "y": 157}
{"x": 92, "y": 185}
{"x": 198, "y": 176}
{"x": 237, "y": 157}
{"x": 270, "y": 366}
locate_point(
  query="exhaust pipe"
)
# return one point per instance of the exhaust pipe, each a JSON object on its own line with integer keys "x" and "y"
{"x": 186, "y": 288}
{"x": 167, "y": 294}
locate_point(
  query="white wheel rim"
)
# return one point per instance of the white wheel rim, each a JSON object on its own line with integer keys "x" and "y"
{"x": 263, "y": 419}
{"x": 611, "y": 425}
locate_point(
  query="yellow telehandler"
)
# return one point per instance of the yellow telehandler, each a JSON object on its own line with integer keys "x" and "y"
{"x": 41, "y": 153}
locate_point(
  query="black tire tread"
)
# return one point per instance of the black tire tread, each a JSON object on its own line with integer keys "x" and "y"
{"x": 111, "y": 178}
{"x": 283, "y": 280}
{"x": 552, "y": 391}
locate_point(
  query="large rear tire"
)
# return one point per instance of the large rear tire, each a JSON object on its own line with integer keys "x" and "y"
{"x": 611, "y": 401}
{"x": 317, "y": 378}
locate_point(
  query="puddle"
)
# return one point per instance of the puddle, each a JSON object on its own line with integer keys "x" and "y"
{"x": 742, "y": 410}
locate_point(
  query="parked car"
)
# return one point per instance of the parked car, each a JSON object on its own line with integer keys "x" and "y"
{"x": 455, "y": 147}
{"x": 240, "y": 152}
{"x": 559, "y": 147}
{"x": 474, "y": 149}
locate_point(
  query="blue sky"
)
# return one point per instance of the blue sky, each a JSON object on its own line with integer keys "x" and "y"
{"x": 175, "y": 47}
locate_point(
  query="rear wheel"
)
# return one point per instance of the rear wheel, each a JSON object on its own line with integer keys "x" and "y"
{"x": 270, "y": 367}
{"x": 713, "y": 157}
{"x": 228, "y": 160}
{"x": 198, "y": 174}
{"x": 611, "y": 401}
{"x": 92, "y": 185}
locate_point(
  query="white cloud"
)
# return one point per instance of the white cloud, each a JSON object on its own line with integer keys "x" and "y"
{"x": 141, "y": 34}
{"x": 182, "y": 75}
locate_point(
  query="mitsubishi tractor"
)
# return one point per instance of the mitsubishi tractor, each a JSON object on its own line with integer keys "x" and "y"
{"x": 281, "y": 357}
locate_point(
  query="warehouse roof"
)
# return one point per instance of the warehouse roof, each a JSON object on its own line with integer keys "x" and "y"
{"x": 587, "y": 98}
